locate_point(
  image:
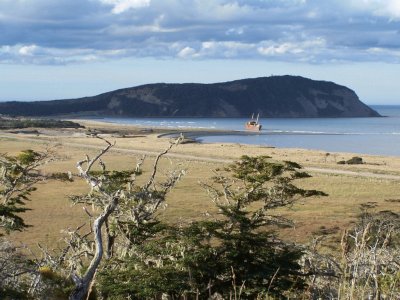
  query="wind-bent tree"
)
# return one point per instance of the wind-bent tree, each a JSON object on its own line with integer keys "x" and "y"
{"x": 18, "y": 175}
{"x": 250, "y": 258}
{"x": 236, "y": 255}
{"x": 125, "y": 209}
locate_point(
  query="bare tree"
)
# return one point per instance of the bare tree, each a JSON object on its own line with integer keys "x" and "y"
{"x": 368, "y": 267}
{"x": 123, "y": 204}
{"x": 13, "y": 267}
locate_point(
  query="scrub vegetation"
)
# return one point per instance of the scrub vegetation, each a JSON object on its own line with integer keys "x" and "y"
{"x": 19, "y": 123}
{"x": 129, "y": 246}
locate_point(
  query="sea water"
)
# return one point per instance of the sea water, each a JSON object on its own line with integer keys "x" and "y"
{"x": 380, "y": 136}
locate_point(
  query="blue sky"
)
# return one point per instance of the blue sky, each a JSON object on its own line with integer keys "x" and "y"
{"x": 54, "y": 49}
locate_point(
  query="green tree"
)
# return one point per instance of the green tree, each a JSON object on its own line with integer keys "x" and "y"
{"x": 18, "y": 175}
{"x": 250, "y": 257}
{"x": 237, "y": 254}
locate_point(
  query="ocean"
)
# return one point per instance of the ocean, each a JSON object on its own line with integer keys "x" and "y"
{"x": 377, "y": 136}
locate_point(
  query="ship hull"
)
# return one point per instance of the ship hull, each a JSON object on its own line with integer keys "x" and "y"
{"x": 253, "y": 127}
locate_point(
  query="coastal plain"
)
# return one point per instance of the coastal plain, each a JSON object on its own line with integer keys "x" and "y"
{"x": 350, "y": 188}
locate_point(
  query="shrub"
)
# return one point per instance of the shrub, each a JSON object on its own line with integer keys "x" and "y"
{"x": 237, "y": 253}
{"x": 355, "y": 161}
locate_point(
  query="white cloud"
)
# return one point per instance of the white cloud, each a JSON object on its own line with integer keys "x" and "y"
{"x": 186, "y": 52}
{"x": 33, "y": 54}
{"x": 27, "y": 50}
{"x": 303, "y": 48}
{"x": 390, "y": 8}
{"x": 62, "y": 31}
{"x": 385, "y": 52}
{"x": 120, "y": 6}
{"x": 383, "y": 8}
{"x": 235, "y": 31}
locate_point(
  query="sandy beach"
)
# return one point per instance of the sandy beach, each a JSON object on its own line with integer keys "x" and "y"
{"x": 155, "y": 139}
{"x": 375, "y": 181}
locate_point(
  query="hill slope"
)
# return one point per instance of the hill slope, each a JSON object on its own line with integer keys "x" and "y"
{"x": 275, "y": 96}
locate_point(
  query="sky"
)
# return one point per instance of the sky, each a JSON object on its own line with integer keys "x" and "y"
{"x": 57, "y": 49}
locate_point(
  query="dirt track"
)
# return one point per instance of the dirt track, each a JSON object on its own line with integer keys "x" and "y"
{"x": 48, "y": 139}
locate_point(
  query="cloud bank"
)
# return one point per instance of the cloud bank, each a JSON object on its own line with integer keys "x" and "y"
{"x": 309, "y": 31}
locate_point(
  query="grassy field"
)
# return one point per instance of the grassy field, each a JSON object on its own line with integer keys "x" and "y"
{"x": 52, "y": 211}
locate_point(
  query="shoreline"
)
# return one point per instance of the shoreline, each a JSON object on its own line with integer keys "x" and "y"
{"x": 358, "y": 143}
{"x": 348, "y": 185}
{"x": 154, "y": 139}
{"x": 126, "y": 130}
{"x": 200, "y": 133}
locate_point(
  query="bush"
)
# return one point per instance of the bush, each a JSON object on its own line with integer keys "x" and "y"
{"x": 14, "y": 123}
{"x": 368, "y": 265}
{"x": 355, "y": 161}
{"x": 352, "y": 161}
{"x": 235, "y": 253}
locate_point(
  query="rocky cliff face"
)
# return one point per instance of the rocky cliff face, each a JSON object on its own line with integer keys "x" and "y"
{"x": 275, "y": 96}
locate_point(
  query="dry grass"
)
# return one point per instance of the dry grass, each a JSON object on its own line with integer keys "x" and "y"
{"x": 51, "y": 210}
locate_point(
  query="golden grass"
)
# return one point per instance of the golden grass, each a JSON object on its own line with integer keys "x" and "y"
{"x": 52, "y": 211}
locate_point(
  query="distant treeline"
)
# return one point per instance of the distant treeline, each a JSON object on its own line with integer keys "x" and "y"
{"x": 14, "y": 123}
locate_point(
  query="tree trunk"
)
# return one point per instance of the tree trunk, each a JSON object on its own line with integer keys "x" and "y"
{"x": 82, "y": 285}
